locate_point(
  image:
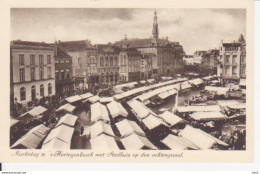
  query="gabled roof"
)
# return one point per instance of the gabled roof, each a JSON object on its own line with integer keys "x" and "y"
{"x": 104, "y": 142}
{"x": 234, "y": 44}
{"x": 76, "y": 45}
{"x": 110, "y": 49}
{"x": 60, "y": 53}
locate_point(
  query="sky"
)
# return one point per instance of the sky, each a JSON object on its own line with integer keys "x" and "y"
{"x": 194, "y": 29}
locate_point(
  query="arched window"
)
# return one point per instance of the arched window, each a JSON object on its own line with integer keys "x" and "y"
{"x": 111, "y": 61}
{"x": 49, "y": 89}
{"x": 101, "y": 61}
{"x": 41, "y": 90}
{"x": 116, "y": 61}
{"x": 22, "y": 93}
{"x": 107, "y": 62}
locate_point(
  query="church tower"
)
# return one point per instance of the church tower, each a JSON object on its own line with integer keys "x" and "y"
{"x": 155, "y": 27}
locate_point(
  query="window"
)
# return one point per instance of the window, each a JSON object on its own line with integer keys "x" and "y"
{"x": 243, "y": 69}
{"x": 22, "y": 75}
{"x": 41, "y": 90}
{"x": 32, "y": 73}
{"x": 48, "y": 59}
{"x": 67, "y": 74}
{"x": 234, "y": 70}
{"x": 111, "y": 61}
{"x": 227, "y": 58}
{"x": 41, "y": 59}
{"x": 41, "y": 73}
{"x": 57, "y": 74}
{"x": 234, "y": 59}
{"x": 49, "y": 72}
{"x": 21, "y": 59}
{"x": 62, "y": 74}
{"x": 243, "y": 59}
{"x": 116, "y": 61}
{"x": 22, "y": 94}
{"x": 32, "y": 59}
{"x": 101, "y": 61}
{"x": 49, "y": 89}
{"x": 107, "y": 63}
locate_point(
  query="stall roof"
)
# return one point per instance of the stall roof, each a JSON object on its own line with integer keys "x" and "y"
{"x": 93, "y": 99}
{"x": 224, "y": 103}
{"x": 196, "y": 81}
{"x": 238, "y": 106}
{"x": 127, "y": 127}
{"x": 142, "y": 81}
{"x": 207, "y": 116}
{"x": 207, "y": 78}
{"x": 116, "y": 109}
{"x": 185, "y": 85}
{"x": 164, "y": 95}
{"x": 103, "y": 142}
{"x": 129, "y": 85}
{"x": 199, "y": 138}
{"x": 99, "y": 128}
{"x": 86, "y": 95}
{"x": 118, "y": 96}
{"x": 35, "y": 111}
{"x": 171, "y": 118}
{"x": 152, "y": 122}
{"x": 106, "y": 99}
{"x": 207, "y": 108}
{"x": 68, "y": 120}
{"x": 62, "y": 132}
{"x": 99, "y": 112}
{"x": 166, "y": 78}
{"x": 173, "y": 91}
{"x": 136, "y": 142}
{"x": 175, "y": 142}
{"x": 33, "y": 138}
{"x": 13, "y": 121}
{"x": 139, "y": 108}
{"x": 56, "y": 143}
{"x": 218, "y": 90}
{"x": 73, "y": 99}
{"x": 150, "y": 80}
{"x": 67, "y": 107}
{"x": 242, "y": 82}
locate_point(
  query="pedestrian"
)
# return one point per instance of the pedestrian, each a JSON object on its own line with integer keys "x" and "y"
{"x": 81, "y": 131}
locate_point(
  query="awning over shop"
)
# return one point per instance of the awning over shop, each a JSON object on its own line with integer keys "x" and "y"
{"x": 139, "y": 109}
{"x": 86, "y": 95}
{"x": 67, "y": 107}
{"x": 39, "y": 110}
{"x": 73, "y": 99}
{"x": 99, "y": 128}
{"x": 103, "y": 142}
{"x": 207, "y": 108}
{"x": 171, "y": 119}
{"x": 116, "y": 109}
{"x": 68, "y": 120}
{"x": 164, "y": 95}
{"x": 56, "y": 143}
{"x": 175, "y": 142}
{"x": 33, "y": 138}
{"x": 200, "y": 138}
{"x": 106, "y": 99}
{"x": 127, "y": 127}
{"x": 152, "y": 122}
{"x": 99, "y": 112}
{"x": 137, "y": 142}
{"x": 208, "y": 116}
{"x": 62, "y": 132}
{"x": 242, "y": 82}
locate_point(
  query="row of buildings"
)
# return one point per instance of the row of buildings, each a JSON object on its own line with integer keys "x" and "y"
{"x": 228, "y": 62}
{"x": 42, "y": 69}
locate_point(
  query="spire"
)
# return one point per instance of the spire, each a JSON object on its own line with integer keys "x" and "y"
{"x": 155, "y": 31}
{"x": 241, "y": 39}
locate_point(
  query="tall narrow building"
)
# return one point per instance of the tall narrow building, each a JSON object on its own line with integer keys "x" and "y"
{"x": 155, "y": 26}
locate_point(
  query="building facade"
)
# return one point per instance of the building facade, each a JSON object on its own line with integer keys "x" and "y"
{"x": 146, "y": 66}
{"x": 188, "y": 60}
{"x": 33, "y": 70}
{"x": 232, "y": 61}
{"x": 63, "y": 72}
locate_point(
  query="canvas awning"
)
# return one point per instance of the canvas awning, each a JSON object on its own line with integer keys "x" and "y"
{"x": 86, "y": 95}
{"x": 200, "y": 138}
{"x": 185, "y": 85}
{"x": 173, "y": 91}
{"x": 99, "y": 128}
{"x": 171, "y": 119}
{"x": 56, "y": 143}
{"x": 164, "y": 95}
{"x": 150, "y": 80}
{"x": 224, "y": 103}
{"x": 207, "y": 78}
{"x": 93, "y": 99}
{"x": 175, "y": 142}
{"x": 39, "y": 110}
{"x": 73, "y": 99}
{"x": 129, "y": 85}
{"x": 196, "y": 81}
{"x": 33, "y": 138}
{"x": 139, "y": 109}
{"x": 242, "y": 82}
{"x": 218, "y": 90}
{"x": 238, "y": 106}
{"x": 166, "y": 78}
{"x": 106, "y": 99}
{"x": 62, "y": 132}
{"x": 67, "y": 107}
{"x": 103, "y": 142}
{"x": 118, "y": 97}
{"x": 142, "y": 81}
{"x": 152, "y": 122}
{"x": 207, "y": 116}
{"x": 99, "y": 112}
{"x": 137, "y": 142}
{"x": 207, "y": 108}
{"x": 127, "y": 127}
{"x": 116, "y": 109}
{"x": 13, "y": 122}
{"x": 68, "y": 120}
